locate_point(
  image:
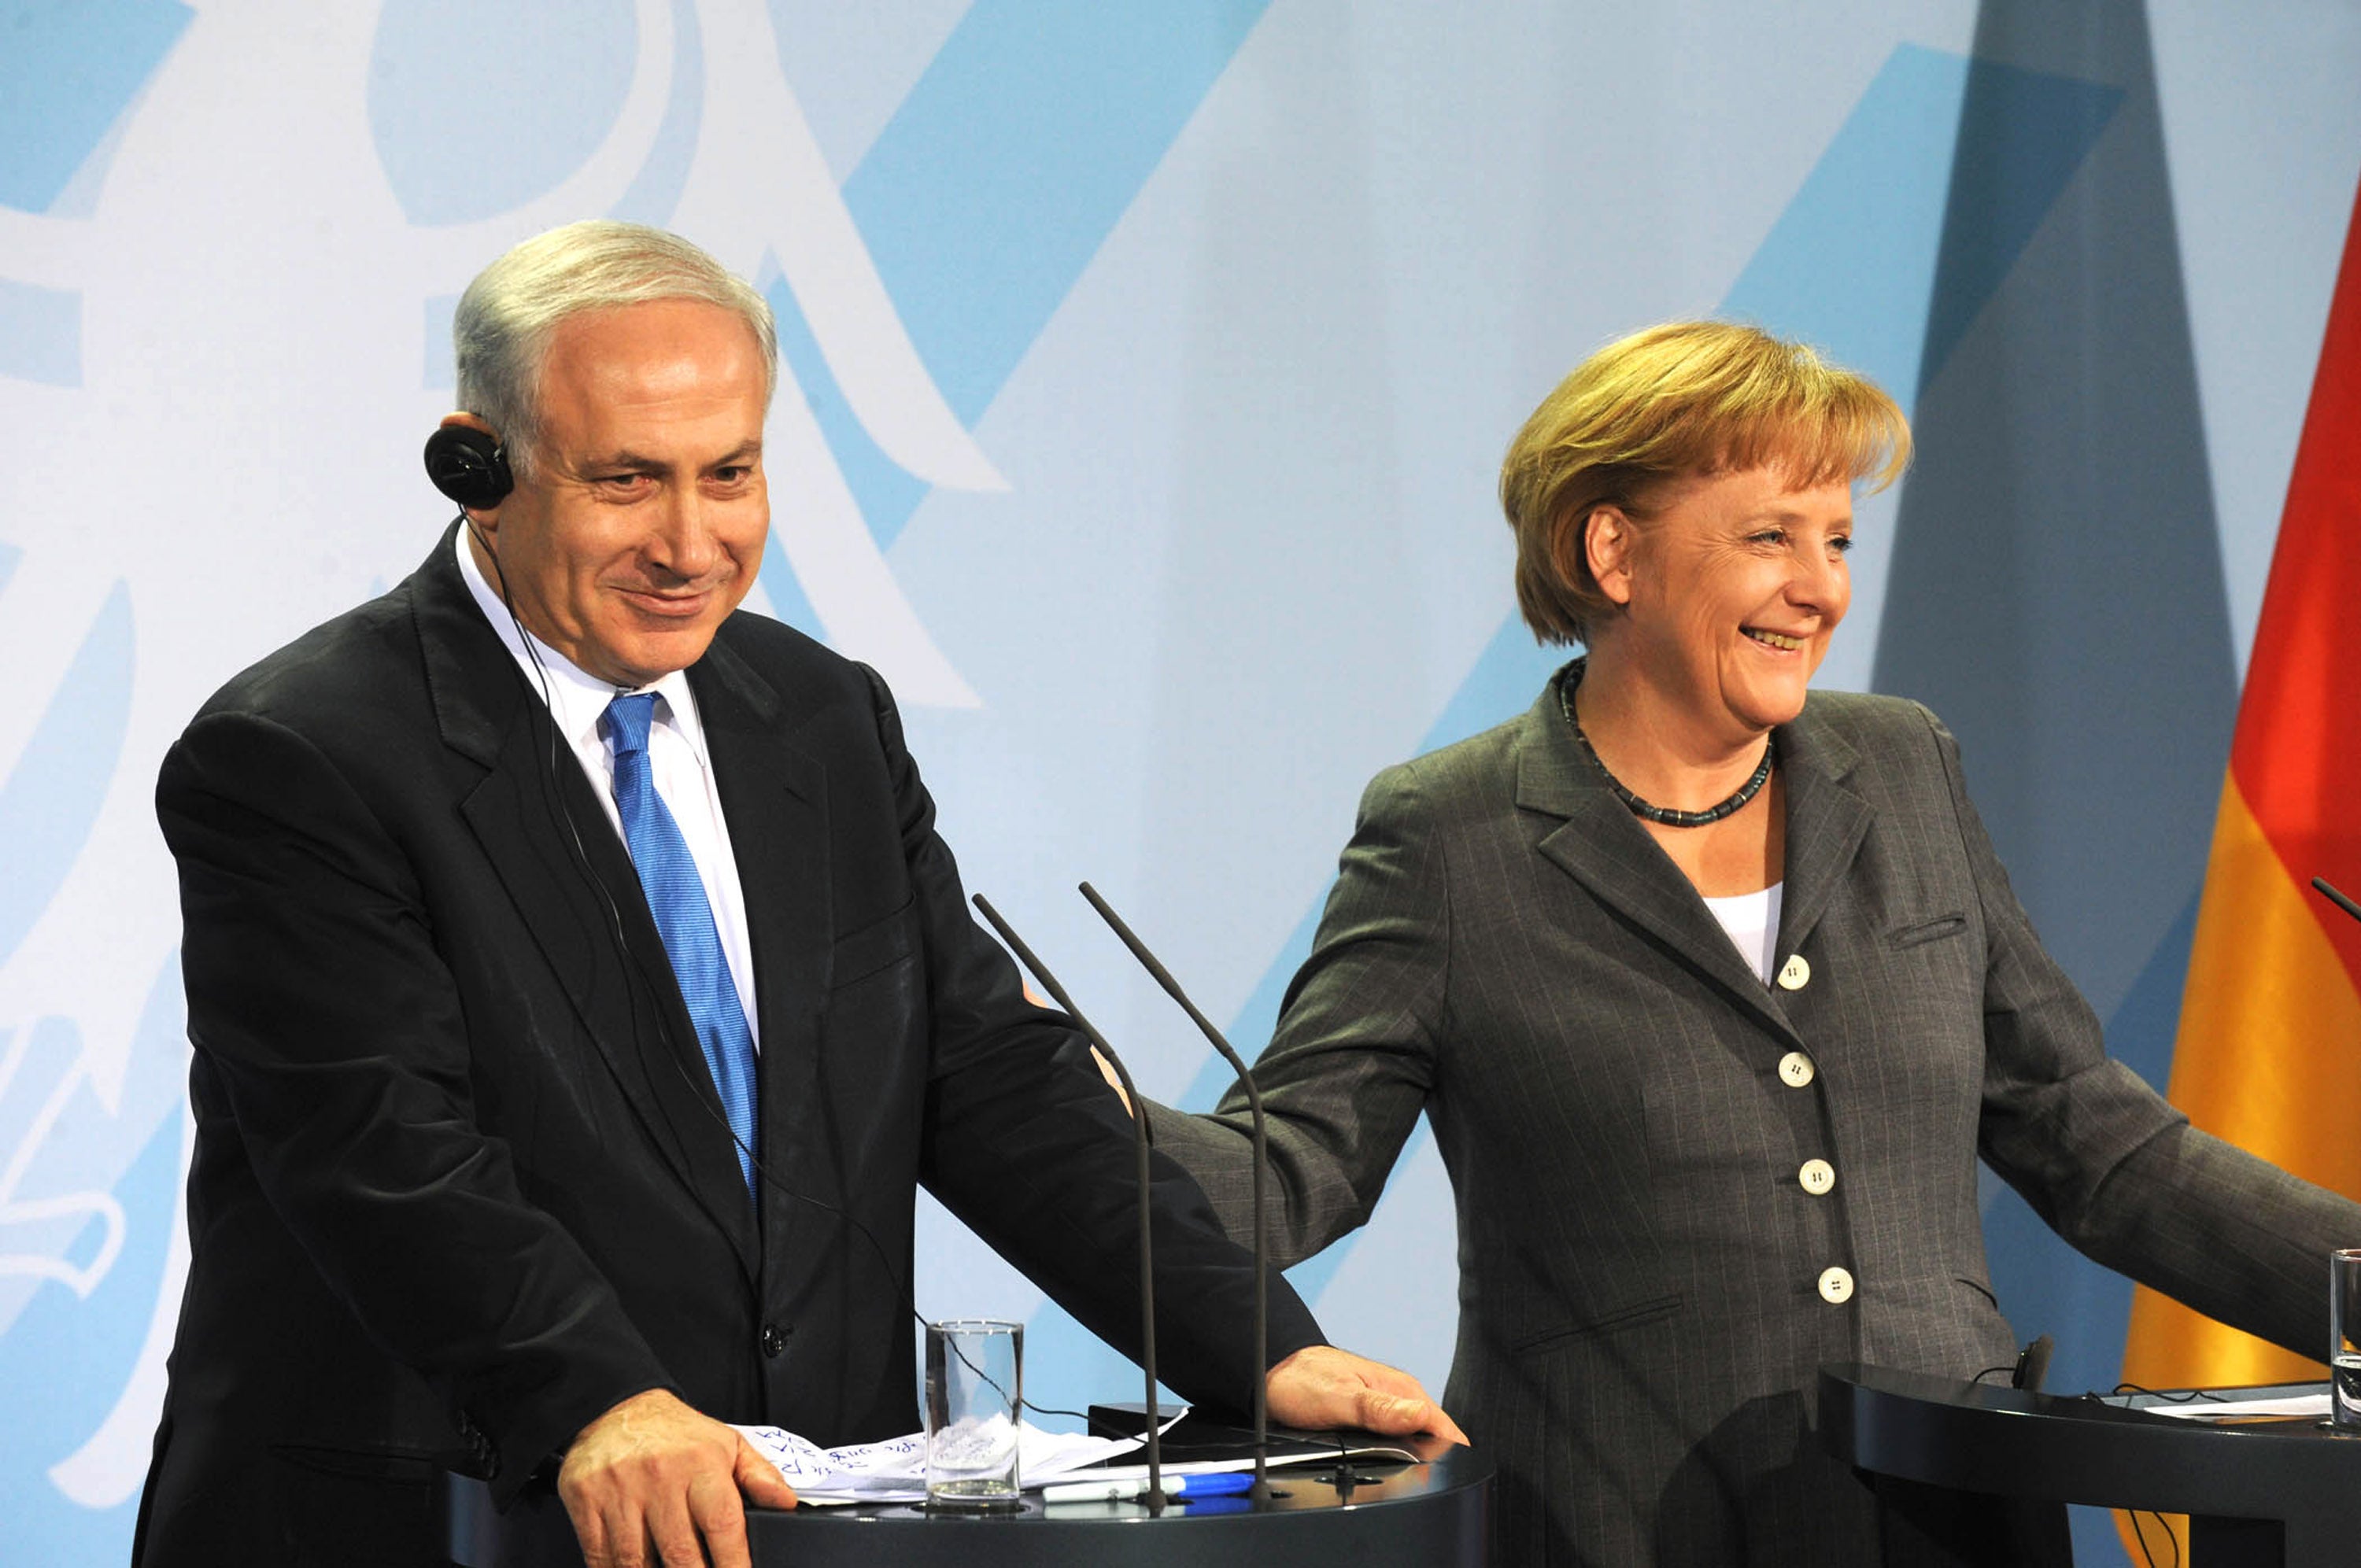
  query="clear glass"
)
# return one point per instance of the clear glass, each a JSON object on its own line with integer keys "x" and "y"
{"x": 2345, "y": 1338}
{"x": 975, "y": 1396}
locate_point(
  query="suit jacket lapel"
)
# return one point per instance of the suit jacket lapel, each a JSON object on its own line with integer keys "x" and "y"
{"x": 628, "y": 1002}
{"x": 1602, "y": 845}
{"x": 1826, "y": 823}
{"x": 775, "y": 798}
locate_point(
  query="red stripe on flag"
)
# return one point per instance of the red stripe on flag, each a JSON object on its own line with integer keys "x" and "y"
{"x": 2297, "y": 751}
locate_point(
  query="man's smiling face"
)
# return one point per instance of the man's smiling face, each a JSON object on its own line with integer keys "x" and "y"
{"x": 637, "y": 525}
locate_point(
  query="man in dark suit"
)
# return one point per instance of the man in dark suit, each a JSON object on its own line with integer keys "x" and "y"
{"x": 579, "y": 992}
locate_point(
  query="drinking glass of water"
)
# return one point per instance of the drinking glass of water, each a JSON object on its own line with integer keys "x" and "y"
{"x": 974, "y": 1397}
{"x": 2344, "y": 1338}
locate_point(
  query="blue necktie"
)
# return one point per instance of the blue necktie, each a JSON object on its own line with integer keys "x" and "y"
{"x": 676, "y": 898}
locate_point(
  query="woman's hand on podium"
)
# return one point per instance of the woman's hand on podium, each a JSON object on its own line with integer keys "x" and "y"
{"x": 1321, "y": 1386}
{"x": 654, "y": 1482}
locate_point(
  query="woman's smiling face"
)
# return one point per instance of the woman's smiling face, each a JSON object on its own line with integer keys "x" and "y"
{"x": 1731, "y": 585}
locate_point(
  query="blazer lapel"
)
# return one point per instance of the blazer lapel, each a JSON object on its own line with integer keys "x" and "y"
{"x": 1602, "y": 845}
{"x": 1825, "y": 824}
{"x": 549, "y": 841}
{"x": 775, "y": 798}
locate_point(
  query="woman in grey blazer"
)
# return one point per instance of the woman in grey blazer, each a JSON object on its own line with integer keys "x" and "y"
{"x": 1715, "y": 992}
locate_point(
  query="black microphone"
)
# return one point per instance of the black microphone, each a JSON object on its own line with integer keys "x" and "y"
{"x": 1155, "y": 1498}
{"x": 1261, "y": 1158}
{"x": 2337, "y": 898}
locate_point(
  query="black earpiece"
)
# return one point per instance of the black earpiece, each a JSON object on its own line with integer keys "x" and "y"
{"x": 468, "y": 466}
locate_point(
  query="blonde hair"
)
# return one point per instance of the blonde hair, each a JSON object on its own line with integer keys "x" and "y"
{"x": 500, "y": 332}
{"x": 1675, "y": 401}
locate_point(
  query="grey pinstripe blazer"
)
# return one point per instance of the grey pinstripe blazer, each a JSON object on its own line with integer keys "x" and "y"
{"x": 1640, "y": 1320}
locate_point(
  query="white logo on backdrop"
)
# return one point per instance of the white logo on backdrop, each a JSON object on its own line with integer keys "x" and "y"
{"x": 251, "y": 294}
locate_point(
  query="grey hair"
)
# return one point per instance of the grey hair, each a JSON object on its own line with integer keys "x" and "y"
{"x": 500, "y": 332}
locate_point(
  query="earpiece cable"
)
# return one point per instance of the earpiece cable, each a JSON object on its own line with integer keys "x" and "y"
{"x": 554, "y": 795}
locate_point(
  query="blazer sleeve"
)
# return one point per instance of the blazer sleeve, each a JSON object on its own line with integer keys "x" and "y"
{"x": 1355, "y": 1053}
{"x": 1026, "y": 1146}
{"x": 2109, "y": 1163}
{"x": 320, "y": 1010}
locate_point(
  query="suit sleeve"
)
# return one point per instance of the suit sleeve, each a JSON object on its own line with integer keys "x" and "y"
{"x": 319, "y": 1007}
{"x": 1355, "y": 1055}
{"x": 2111, "y": 1167}
{"x": 1026, "y": 1145}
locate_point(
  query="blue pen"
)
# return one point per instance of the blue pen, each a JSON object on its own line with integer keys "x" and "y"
{"x": 1182, "y": 1488}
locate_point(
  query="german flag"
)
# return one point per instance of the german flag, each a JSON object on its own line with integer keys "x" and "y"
{"x": 2268, "y": 1054}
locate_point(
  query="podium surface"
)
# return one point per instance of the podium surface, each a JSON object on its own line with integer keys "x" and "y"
{"x": 1435, "y": 1514}
{"x": 2259, "y": 1492}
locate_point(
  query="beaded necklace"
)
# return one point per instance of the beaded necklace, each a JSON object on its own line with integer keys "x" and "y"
{"x": 1664, "y": 815}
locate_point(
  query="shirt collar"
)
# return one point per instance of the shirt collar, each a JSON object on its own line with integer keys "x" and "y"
{"x": 577, "y": 699}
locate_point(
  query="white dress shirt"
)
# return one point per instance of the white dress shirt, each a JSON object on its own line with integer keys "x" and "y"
{"x": 677, "y": 757}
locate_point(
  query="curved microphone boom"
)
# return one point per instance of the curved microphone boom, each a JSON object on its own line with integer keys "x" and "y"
{"x": 1154, "y": 1498}
{"x": 2337, "y": 898}
{"x": 1261, "y": 1160}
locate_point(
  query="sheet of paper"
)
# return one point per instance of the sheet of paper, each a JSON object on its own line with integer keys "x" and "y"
{"x": 895, "y": 1470}
{"x": 2312, "y": 1405}
{"x": 1360, "y": 1454}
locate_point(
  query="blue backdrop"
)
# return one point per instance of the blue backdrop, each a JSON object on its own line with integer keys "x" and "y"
{"x": 1147, "y": 371}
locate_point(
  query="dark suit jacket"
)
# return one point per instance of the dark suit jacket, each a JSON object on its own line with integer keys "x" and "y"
{"x": 461, "y": 1179}
{"x": 1641, "y": 1325}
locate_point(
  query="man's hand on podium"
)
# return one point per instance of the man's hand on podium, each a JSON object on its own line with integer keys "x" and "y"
{"x": 654, "y": 1482}
{"x": 1321, "y": 1386}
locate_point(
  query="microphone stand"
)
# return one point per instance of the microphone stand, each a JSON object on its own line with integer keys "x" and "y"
{"x": 1262, "y": 1491}
{"x": 2337, "y": 898}
{"x": 1155, "y": 1496}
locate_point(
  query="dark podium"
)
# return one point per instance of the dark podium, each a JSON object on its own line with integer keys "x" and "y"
{"x": 2262, "y": 1492}
{"x": 1436, "y": 1514}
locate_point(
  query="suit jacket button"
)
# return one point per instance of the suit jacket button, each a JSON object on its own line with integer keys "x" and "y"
{"x": 1817, "y": 1175}
{"x": 1836, "y": 1287}
{"x": 1795, "y": 974}
{"x": 775, "y": 1340}
{"x": 1796, "y": 1070}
